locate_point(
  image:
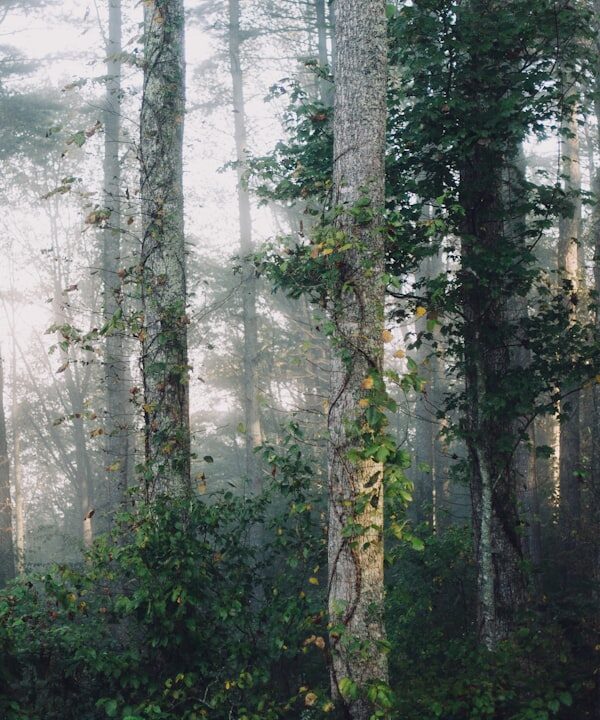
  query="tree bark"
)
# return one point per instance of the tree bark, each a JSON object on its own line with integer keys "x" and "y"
{"x": 115, "y": 362}
{"x": 253, "y": 431}
{"x": 165, "y": 363}
{"x": 356, "y": 587}
{"x": 7, "y": 553}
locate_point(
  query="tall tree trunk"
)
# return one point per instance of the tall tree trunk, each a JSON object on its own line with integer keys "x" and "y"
{"x": 490, "y": 432}
{"x": 115, "y": 362}
{"x": 253, "y": 432}
{"x": 76, "y": 396}
{"x": 436, "y": 392}
{"x": 424, "y": 439}
{"x": 520, "y": 359}
{"x": 7, "y": 553}
{"x": 356, "y": 587}
{"x": 569, "y": 271}
{"x": 165, "y": 363}
{"x": 17, "y": 466}
{"x": 594, "y": 494}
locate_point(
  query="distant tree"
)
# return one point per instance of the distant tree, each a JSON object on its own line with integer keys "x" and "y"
{"x": 117, "y": 418}
{"x": 7, "y": 557}
{"x": 252, "y": 423}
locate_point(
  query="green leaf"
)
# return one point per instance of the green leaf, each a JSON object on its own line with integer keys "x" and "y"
{"x": 566, "y": 698}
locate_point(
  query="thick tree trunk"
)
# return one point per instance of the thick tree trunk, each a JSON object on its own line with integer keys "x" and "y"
{"x": 569, "y": 271}
{"x": 253, "y": 432}
{"x": 115, "y": 362}
{"x": 490, "y": 433}
{"x": 594, "y": 490}
{"x": 7, "y": 553}
{"x": 356, "y": 587}
{"x": 163, "y": 256}
{"x": 520, "y": 359}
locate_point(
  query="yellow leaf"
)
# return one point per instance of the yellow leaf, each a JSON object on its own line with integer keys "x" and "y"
{"x": 367, "y": 383}
{"x": 399, "y": 354}
{"x": 420, "y": 311}
{"x": 363, "y": 403}
{"x": 310, "y": 699}
{"x": 328, "y": 707}
{"x": 327, "y": 251}
{"x": 320, "y": 643}
{"x": 202, "y": 487}
{"x": 387, "y": 336}
{"x": 313, "y": 580}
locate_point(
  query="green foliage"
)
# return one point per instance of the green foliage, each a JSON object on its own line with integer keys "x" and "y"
{"x": 440, "y": 671}
{"x": 177, "y": 616}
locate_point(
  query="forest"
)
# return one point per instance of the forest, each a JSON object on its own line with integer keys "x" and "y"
{"x": 300, "y": 359}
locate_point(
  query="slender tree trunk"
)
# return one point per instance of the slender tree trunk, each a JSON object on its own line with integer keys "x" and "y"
{"x": 253, "y": 431}
{"x": 424, "y": 440}
{"x": 325, "y": 87}
{"x": 7, "y": 553}
{"x": 569, "y": 270}
{"x": 115, "y": 362}
{"x": 75, "y": 393}
{"x": 17, "y": 466}
{"x": 356, "y": 587}
{"x": 436, "y": 392}
{"x": 165, "y": 363}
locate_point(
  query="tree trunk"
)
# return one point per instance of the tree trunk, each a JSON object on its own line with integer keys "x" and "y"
{"x": 253, "y": 432}
{"x": 115, "y": 362}
{"x": 17, "y": 466}
{"x": 76, "y": 395}
{"x": 568, "y": 267}
{"x": 436, "y": 392}
{"x": 7, "y": 553}
{"x": 325, "y": 87}
{"x": 594, "y": 491}
{"x": 356, "y": 587}
{"x": 520, "y": 359}
{"x": 490, "y": 432}
{"x": 163, "y": 255}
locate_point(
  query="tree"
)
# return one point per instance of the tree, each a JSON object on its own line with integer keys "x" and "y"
{"x": 7, "y": 558}
{"x": 163, "y": 253}
{"x": 571, "y": 280}
{"x": 252, "y": 424}
{"x": 356, "y": 308}
{"x": 115, "y": 360}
